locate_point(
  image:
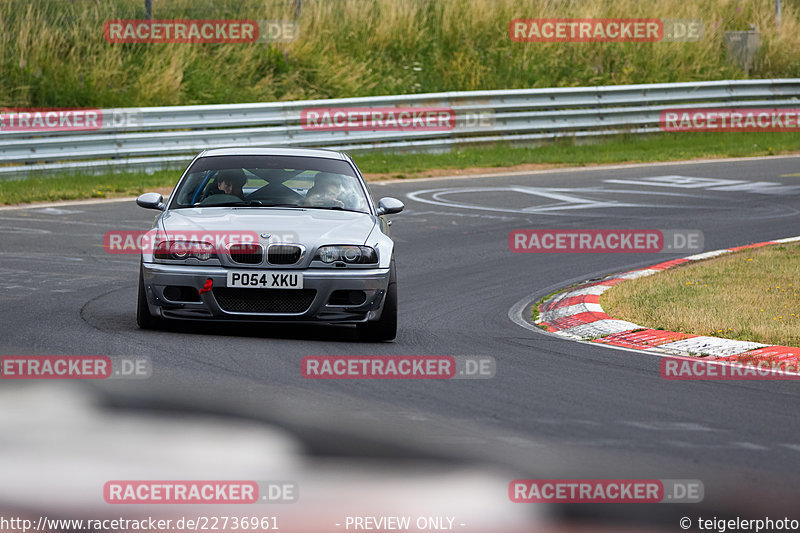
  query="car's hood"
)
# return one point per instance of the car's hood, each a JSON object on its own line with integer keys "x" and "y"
{"x": 310, "y": 227}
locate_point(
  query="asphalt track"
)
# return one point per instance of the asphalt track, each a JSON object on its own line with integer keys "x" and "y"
{"x": 555, "y": 407}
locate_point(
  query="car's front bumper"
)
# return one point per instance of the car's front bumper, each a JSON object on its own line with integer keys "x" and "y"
{"x": 219, "y": 305}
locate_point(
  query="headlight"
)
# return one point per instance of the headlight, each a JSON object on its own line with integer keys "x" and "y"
{"x": 354, "y": 255}
{"x": 180, "y": 250}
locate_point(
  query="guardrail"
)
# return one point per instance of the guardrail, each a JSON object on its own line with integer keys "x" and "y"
{"x": 162, "y": 137}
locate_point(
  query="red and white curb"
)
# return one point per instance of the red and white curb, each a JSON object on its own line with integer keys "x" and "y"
{"x": 577, "y": 314}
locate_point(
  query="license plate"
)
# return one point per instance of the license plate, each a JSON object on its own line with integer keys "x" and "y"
{"x": 265, "y": 280}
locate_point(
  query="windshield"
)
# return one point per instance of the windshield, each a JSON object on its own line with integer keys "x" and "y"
{"x": 271, "y": 181}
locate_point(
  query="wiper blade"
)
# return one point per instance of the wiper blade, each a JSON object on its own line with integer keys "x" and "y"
{"x": 243, "y": 203}
{"x": 332, "y": 207}
{"x": 220, "y": 204}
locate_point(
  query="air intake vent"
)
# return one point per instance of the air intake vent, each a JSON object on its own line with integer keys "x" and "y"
{"x": 273, "y": 301}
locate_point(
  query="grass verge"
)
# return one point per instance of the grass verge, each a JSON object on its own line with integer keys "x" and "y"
{"x": 379, "y": 166}
{"x": 752, "y": 295}
{"x": 54, "y": 52}
{"x": 82, "y": 187}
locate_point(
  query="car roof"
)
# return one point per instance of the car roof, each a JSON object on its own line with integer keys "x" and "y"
{"x": 275, "y": 150}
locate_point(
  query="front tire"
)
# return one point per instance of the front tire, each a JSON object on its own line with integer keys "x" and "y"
{"x": 385, "y": 328}
{"x": 143, "y": 317}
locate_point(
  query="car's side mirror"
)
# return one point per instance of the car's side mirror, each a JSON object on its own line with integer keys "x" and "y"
{"x": 151, "y": 200}
{"x": 389, "y": 206}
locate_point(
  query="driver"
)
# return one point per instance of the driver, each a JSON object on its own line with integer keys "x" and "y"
{"x": 326, "y": 192}
{"x": 231, "y": 181}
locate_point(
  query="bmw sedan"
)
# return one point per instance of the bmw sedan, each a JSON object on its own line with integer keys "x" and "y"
{"x": 270, "y": 234}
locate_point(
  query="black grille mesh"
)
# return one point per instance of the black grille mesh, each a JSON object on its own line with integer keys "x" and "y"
{"x": 282, "y": 254}
{"x": 235, "y": 300}
{"x": 246, "y": 254}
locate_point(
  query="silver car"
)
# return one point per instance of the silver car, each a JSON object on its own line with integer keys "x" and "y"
{"x": 270, "y": 234}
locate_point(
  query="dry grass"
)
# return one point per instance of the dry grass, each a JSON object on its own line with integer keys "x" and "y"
{"x": 753, "y": 295}
{"x": 52, "y": 52}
